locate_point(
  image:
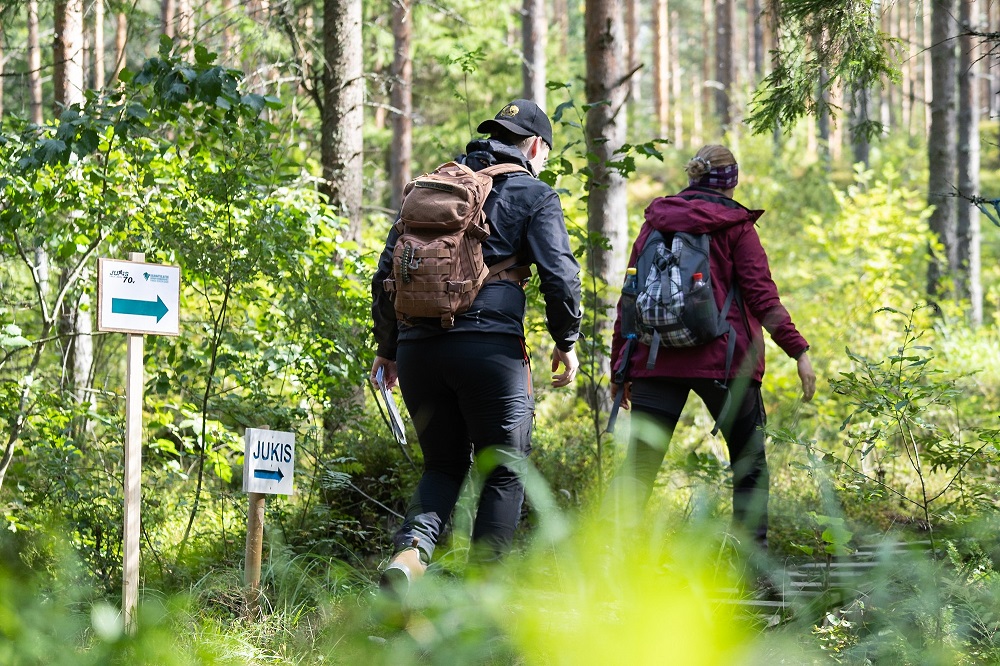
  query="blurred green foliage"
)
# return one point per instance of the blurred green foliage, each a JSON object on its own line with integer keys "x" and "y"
{"x": 186, "y": 165}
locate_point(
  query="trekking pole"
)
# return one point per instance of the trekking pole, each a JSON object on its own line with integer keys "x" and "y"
{"x": 621, "y": 376}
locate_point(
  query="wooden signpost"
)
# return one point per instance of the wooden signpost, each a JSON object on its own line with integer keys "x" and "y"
{"x": 268, "y": 469}
{"x": 138, "y": 299}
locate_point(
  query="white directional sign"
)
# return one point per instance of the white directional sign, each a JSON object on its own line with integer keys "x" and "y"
{"x": 136, "y": 297}
{"x": 268, "y": 462}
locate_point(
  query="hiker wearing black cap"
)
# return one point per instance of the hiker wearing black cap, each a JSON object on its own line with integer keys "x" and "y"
{"x": 467, "y": 387}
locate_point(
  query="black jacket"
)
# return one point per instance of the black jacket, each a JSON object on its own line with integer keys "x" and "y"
{"x": 526, "y": 221}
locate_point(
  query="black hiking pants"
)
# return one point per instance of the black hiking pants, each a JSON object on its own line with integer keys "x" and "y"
{"x": 656, "y": 407}
{"x": 469, "y": 395}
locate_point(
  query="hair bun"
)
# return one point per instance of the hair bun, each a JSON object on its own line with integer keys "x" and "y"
{"x": 698, "y": 167}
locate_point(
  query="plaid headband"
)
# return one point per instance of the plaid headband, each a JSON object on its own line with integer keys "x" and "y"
{"x": 720, "y": 178}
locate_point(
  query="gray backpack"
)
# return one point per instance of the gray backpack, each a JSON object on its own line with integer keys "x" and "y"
{"x": 674, "y": 303}
{"x": 669, "y": 302}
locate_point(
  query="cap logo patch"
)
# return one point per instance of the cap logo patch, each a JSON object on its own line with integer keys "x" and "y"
{"x": 510, "y": 111}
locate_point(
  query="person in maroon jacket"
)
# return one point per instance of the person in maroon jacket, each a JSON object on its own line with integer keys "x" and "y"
{"x": 657, "y": 395}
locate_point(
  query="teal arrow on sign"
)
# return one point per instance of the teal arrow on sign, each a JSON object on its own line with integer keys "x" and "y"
{"x": 273, "y": 474}
{"x": 130, "y": 306}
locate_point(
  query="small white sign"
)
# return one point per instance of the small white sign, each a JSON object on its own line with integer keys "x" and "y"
{"x": 268, "y": 462}
{"x": 136, "y": 297}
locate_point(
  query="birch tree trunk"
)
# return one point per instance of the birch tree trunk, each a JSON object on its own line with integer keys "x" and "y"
{"x": 534, "y": 31}
{"x": 34, "y": 65}
{"x": 941, "y": 145}
{"x": 607, "y": 213}
{"x": 75, "y": 324}
{"x": 968, "y": 155}
{"x": 401, "y": 100}
{"x": 343, "y": 113}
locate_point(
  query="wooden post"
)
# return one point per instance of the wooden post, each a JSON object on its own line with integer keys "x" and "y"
{"x": 254, "y": 548}
{"x": 133, "y": 472}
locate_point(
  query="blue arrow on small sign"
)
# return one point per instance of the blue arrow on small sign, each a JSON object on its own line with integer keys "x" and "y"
{"x": 129, "y": 306}
{"x": 273, "y": 474}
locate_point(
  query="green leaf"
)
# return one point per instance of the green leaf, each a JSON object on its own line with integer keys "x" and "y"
{"x": 51, "y": 151}
{"x": 254, "y": 101}
{"x": 203, "y": 56}
{"x": 88, "y": 142}
{"x": 11, "y": 338}
{"x": 166, "y": 45}
{"x": 808, "y": 550}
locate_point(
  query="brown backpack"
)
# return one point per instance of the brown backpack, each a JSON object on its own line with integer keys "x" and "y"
{"x": 437, "y": 264}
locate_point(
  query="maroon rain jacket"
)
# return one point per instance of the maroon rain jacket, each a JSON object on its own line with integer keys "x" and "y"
{"x": 735, "y": 254}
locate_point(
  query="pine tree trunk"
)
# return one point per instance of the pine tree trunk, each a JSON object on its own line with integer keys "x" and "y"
{"x": 928, "y": 63}
{"x": 885, "y": 92}
{"x": 756, "y": 17}
{"x": 661, "y": 65}
{"x": 343, "y": 113}
{"x": 633, "y": 58}
{"x": 605, "y": 130}
{"x": 675, "y": 79}
{"x": 534, "y": 31}
{"x": 1, "y": 70}
{"x": 837, "y": 129}
{"x": 968, "y": 232}
{"x": 906, "y": 69}
{"x": 228, "y": 39}
{"x": 72, "y": 40}
{"x": 560, "y": 13}
{"x": 823, "y": 118}
{"x": 185, "y": 25}
{"x": 941, "y": 151}
{"x": 705, "y": 92}
{"x": 168, "y": 16}
{"x": 401, "y": 100}
{"x": 697, "y": 127}
{"x": 860, "y": 114}
{"x": 724, "y": 49}
{"x": 99, "y": 64}
{"x": 121, "y": 40}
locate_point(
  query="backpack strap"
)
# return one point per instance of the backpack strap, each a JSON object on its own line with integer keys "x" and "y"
{"x": 730, "y": 352}
{"x": 502, "y": 169}
{"x": 654, "y": 346}
{"x": 506, "y": 270}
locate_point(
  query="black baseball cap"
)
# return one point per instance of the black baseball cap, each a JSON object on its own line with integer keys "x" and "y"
{"x": 522, "y": 117}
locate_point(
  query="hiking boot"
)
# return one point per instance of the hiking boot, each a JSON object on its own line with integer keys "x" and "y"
{"x": 404, "y": 568}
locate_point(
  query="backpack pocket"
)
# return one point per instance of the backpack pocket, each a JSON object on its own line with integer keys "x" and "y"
{"x": 701, "y": 314}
